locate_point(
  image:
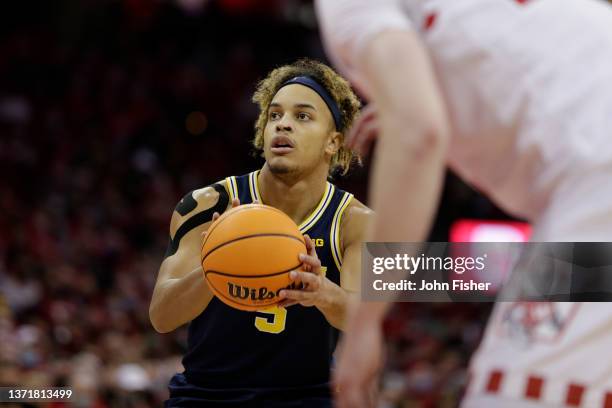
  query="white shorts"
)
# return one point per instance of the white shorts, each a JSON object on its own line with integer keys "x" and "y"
{"x": 486, "y": 401}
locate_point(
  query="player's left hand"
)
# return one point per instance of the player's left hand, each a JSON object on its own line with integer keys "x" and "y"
{"x": 316, "y": 287}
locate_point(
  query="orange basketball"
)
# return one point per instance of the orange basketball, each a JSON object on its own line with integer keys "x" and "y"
{"x": 248, "y": 253}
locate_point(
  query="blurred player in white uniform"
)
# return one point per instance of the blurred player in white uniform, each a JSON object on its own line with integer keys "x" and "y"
{"x": 516, "y": 97}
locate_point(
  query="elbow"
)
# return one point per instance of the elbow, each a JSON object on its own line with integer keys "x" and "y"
{"x": 438, "y": 138}
{"x": 157, "y": 321}
{"x": 426, "y": 142}
{"x": 435, "y": 139}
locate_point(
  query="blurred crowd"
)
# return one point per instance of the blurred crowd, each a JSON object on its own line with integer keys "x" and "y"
{"x": 429, "y": 346}
{"x": 110, "y": 110}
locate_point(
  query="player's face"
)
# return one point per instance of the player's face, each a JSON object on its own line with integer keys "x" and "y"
{"x": 300, "y": 133}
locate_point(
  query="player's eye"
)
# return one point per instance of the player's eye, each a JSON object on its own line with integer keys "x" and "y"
{"x": 275, "y": 115}
{"x": 303, "y": 116}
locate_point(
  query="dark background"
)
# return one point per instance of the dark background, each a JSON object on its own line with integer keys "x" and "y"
{"x": 110, "y": 111}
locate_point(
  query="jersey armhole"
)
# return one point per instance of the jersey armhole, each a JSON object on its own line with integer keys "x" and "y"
{"x": 232, "y": 187}
{"x": 334, "y": 234}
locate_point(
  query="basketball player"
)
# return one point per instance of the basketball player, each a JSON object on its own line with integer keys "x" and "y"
{"x": 279, "y": 357}
{"x": 516, "y": 96}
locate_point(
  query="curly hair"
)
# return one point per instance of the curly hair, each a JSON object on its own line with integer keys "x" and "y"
{"x": 338, "y": 88}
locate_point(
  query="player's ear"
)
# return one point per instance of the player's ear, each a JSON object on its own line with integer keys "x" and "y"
{"x": 334, "y": 142}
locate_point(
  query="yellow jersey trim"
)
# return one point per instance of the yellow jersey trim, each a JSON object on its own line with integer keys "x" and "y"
{"x": 254, "y": 186}
{"x": 232, "y": 187}
{"x": 334, "y": 233}
{"x": 312, "y": 219}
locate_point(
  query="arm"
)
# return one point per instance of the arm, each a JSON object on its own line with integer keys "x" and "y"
{"x": 355, "y": 223}
{"x": 409, "y": 163}
{"x": 375, "y": 45}
{"x": 391, "y": 66}
{"x": 353, "y": 230}
{"x": 410, "y": 159}
{"x": 180, "y": 292}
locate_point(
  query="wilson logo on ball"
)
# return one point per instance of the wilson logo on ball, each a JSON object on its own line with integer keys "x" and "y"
{"x": 255, "y": 294}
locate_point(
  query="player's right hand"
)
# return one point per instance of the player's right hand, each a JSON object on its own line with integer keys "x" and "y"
{"x": 364, "y": 131}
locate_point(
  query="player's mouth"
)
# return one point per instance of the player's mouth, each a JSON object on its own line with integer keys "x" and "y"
{"x": 281, "y": 145}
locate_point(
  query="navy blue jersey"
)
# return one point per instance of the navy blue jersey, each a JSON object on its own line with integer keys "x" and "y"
{"x": 239, "y": 355}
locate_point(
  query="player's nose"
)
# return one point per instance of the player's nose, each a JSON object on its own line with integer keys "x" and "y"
{"x": 284, "y": 124}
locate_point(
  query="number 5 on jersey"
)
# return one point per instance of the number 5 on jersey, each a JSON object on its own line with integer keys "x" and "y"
{"x": 275, "y": 321}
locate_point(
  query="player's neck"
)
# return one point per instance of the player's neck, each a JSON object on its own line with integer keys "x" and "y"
{"x": 297, "y": 197}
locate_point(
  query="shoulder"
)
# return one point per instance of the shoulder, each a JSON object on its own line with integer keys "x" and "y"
{"x": 348, "y": 25}
{"x": 357, "y": 211}
{"x": 209, "y": 199}
{"x": 355, "y": 221}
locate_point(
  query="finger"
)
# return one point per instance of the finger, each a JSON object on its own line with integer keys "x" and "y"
{"x": 298, "y": 295}
{"x": 363, "y": 119}
{"x": 308, "y": 266}
{"x": 370, "y": 111}
{"x": 235, "y": 203}
{"x": 308, "y": 242}
{"x": 216, "y": 215}
{"x": 355, "y": 134}
{"x": 363, "y": 131}
{"x": 311, "y": 260}
{"x": 286, "y": 303}
{"x": 312, "y": 251}
{"x": 364, "y": 136}
{"x": 310, "y": 248}
{"x": 365, "y": 139}
{"x": 310, "y": 280}
{"x": 368, "y": 114}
